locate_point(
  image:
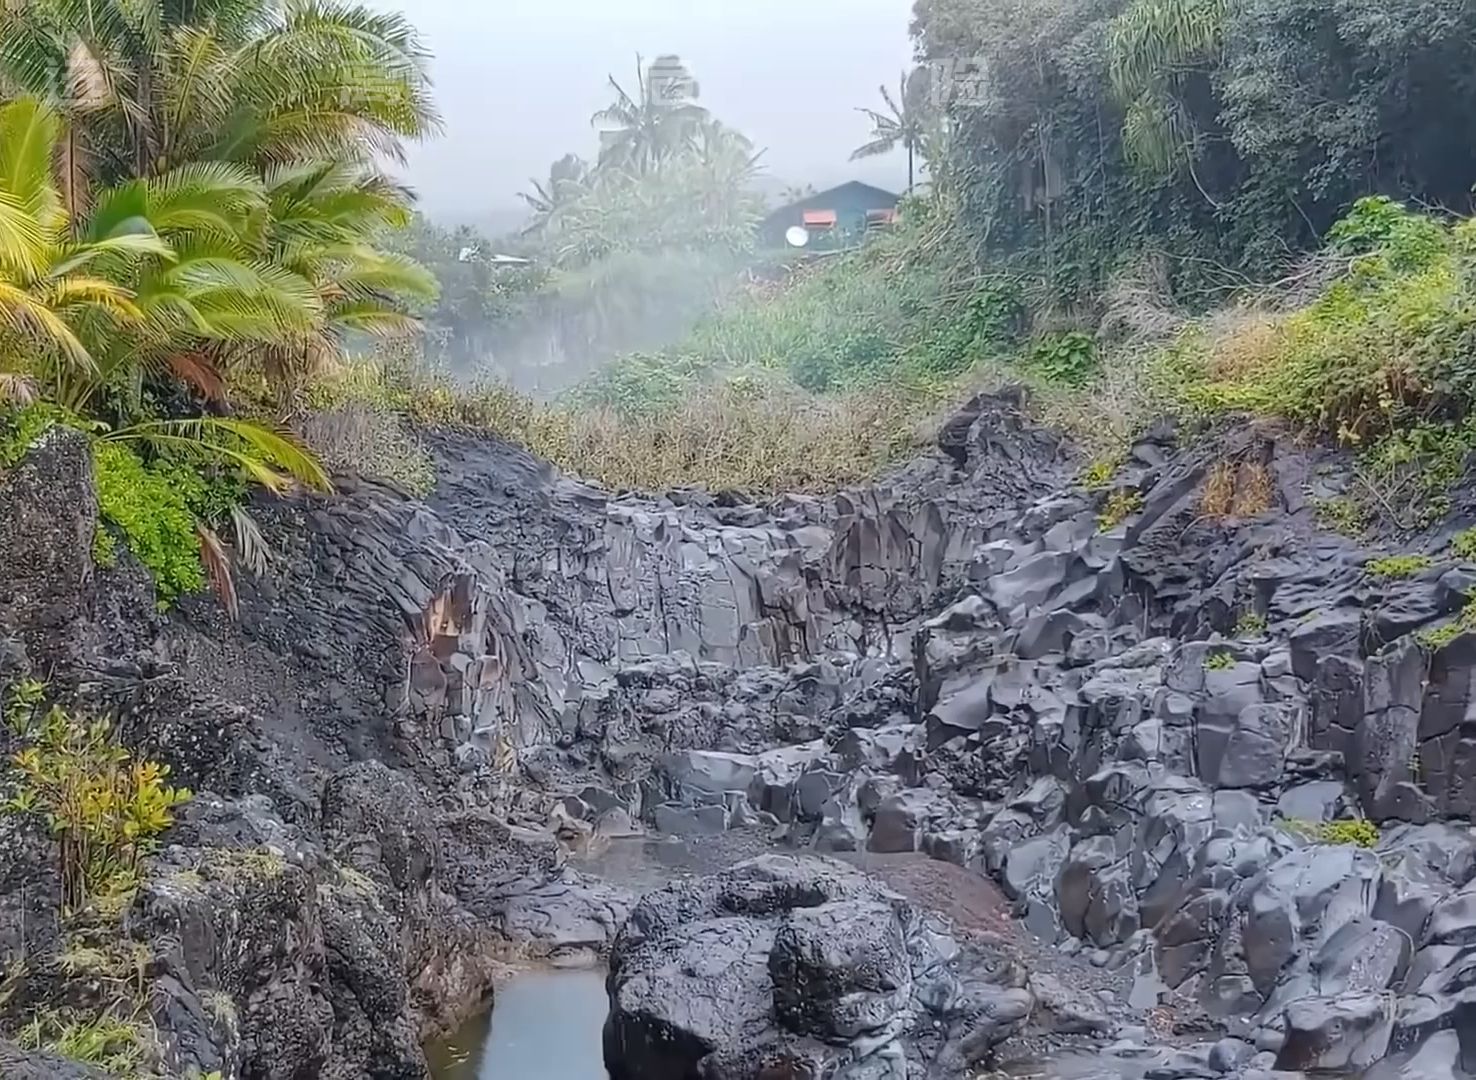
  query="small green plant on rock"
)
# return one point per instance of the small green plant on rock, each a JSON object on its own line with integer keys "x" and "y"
{"x": 1439, "y": 637}
{"x": 1396, "y": 567}
{"x": 1219, "y": 661}
{"x": 21, "y": 702}
{"x": 1121, "y": 505}
{"x": 1341, "y": 515}
{"x": 1463, "y": 544}
{"x": 1097, "y": 475}
{"x": 1251, "y": 624}
{"x": 1359, "y": 832}
{"x": 105, "y": 809}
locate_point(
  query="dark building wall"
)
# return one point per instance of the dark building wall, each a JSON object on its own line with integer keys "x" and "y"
{"x": 851, "y": 202}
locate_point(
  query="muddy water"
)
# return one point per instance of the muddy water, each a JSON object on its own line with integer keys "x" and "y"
{"x": 545, "y": 1025}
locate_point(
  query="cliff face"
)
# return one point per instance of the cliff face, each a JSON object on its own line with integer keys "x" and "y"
{"x": 1120, "y": 725}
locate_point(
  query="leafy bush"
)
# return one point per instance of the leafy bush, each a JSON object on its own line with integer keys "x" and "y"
{"x": 1251, "y": 624}
{"x": 1380, "y": 357}
{"x": 1219, "y": 661}
{"x": 151, "y": 505}
{"x": 1341, "y": 515}
{"x": 1068, "y": 359}
{"x": 1463, "y": 544}
{"x": 1395, "y": 567}
{"x": 1099, "y": 473}
{"x": 1379, "y": 224}
{"x": 105, "y": 809}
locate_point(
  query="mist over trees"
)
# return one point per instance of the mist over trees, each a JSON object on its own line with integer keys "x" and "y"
{"x": 627, "y": 249}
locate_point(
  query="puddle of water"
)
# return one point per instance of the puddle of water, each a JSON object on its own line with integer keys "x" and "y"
{"x": 544, "y": 1025}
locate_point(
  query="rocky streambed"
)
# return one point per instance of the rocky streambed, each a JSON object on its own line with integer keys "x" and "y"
{"x": 986, "y": 770}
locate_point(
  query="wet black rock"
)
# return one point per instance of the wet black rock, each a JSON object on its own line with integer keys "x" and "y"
{"x": 799, "y": 958}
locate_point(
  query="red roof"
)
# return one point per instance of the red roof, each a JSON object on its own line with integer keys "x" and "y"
{"x": 819, "y": 218}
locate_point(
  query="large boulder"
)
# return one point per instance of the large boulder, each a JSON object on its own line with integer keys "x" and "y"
{"x": 797, "y": 959}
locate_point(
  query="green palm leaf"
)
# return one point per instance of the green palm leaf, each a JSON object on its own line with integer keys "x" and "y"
{"x": 263, "y": 453}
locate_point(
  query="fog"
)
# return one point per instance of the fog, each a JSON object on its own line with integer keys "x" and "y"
{"x": 517, "y": 81}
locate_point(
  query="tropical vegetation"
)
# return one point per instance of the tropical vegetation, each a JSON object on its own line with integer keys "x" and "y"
{"x": 628, "y": 247}
{"x": 191, "y": 224}
{"x": 905, "y": 123}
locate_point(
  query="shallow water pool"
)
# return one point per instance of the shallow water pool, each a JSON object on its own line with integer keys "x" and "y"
{"x": 544, "y": 1025}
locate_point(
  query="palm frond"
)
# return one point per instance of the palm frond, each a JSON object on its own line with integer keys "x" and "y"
{"x": 217, "y": 563}
{"x": 18, "y": 389}
{"x": 251, "y": 545}
{"x": 29, "y": 130}
{"x": 254, "y": 447}
{"x": 34, "y": 319}
{"x": 1153, "y": 37}
{"x": 195, "y": 369}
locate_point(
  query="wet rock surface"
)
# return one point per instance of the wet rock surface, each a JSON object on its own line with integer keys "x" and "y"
{"x": 414, "y": 750}
{"x": 799, "y": 959}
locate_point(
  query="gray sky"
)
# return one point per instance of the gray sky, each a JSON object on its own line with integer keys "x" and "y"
{"x": 517, "y": 81}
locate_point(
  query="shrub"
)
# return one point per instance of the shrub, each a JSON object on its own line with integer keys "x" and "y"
{"x": 1219, "y": 661}
{"x": 1395, "y": 567}
{"x": 151, "y": 506}
{"x": 1120, "y": 505}
{"x": 1378, "y": 355}
{"x": 105, "y": 809}
{"x": 1341, "y": 515}
{"x": 1463, "y": 545}
{"x": 1067, "y": 359}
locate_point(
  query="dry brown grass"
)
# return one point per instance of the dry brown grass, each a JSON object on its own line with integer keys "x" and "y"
{"x": 369, "y": 440}
{"x": 1218, "y": 496}
{"x": 1254, "y": 490}
{"x": 746, "y": 438}
{"x": 1244, "y": 342}
{"x": 751, "y": 434}
{"x": 1236, "y": 489}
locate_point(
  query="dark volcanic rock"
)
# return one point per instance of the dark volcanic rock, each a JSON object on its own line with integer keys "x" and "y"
{"x": 428, "y": 704}
{"x": 786, "y": 958}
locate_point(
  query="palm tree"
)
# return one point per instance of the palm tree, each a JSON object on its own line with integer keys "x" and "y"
{"x": 322, "y": 218}
{"x": 904, "y": 123}
{"x": 639, "y": 130}
{"x": 567, "y": 180}
{"x": 147, "y": 87}
{"x": 160, "y": 271}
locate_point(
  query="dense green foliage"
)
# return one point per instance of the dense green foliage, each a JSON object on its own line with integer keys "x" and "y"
{"x": 898, "y": 310}
{"x": 189, "y": 205}
{"x": 1225, "y": 134}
